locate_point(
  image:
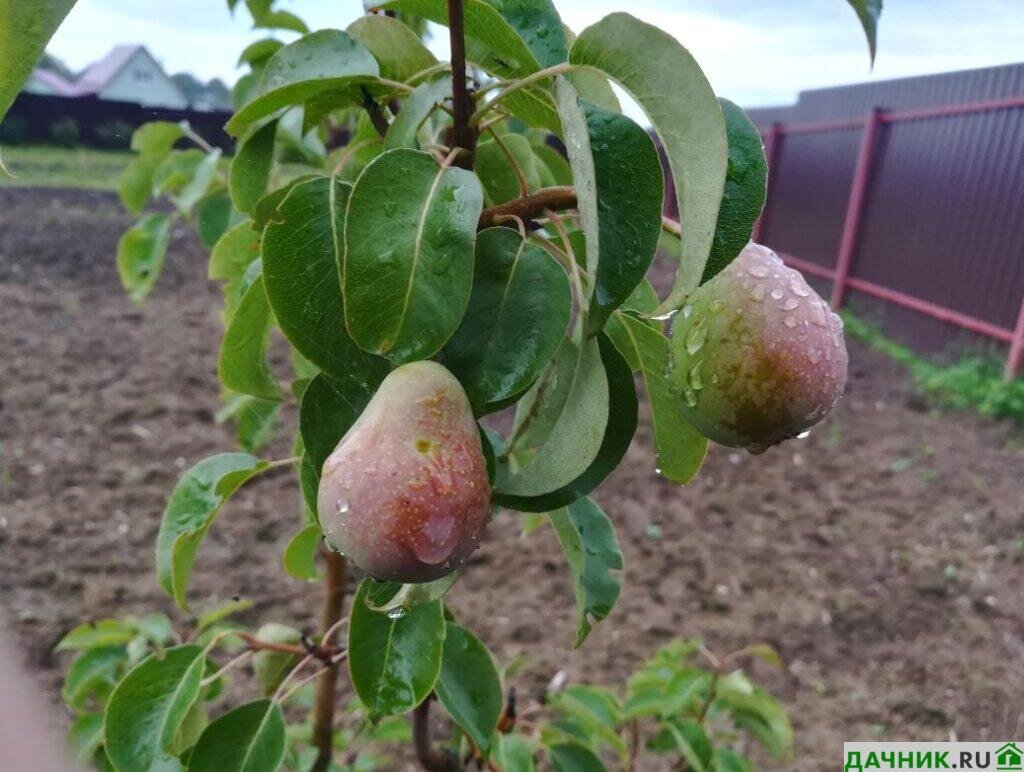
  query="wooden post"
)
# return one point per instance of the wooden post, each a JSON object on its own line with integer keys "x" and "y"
{"x": 771, "y": 142}
{"x": 855, "y": 207}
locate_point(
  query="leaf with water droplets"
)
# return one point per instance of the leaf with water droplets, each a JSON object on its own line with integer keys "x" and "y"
{"x": 469, "y": 686}
{"x": 680, "y": 447}
{"x": 394, "y": 663}
{"x": 588, "y": 540}
{"x": 195, "y": 501}
{"x": 323, "y": 61}
{"x": 388, "y": 596}
{"x": 671, "y": 88}
{"x": 408, "y": 258}
{"x": 746, "y": 182}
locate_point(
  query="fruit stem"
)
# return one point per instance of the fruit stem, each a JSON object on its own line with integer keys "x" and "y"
{"x": 323, "y": 714}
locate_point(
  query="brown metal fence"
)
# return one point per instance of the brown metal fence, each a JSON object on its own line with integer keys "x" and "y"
{"x": 909, "y": 193}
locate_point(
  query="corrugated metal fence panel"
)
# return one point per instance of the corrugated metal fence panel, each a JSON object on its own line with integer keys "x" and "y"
{"x": 809, "y": 188}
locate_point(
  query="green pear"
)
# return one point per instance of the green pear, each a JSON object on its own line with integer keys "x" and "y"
{"x": 756, "y": 355}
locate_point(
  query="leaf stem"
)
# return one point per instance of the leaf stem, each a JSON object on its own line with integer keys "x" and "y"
{"x": 282, "y": 462}
{"x": 529, "y": 80}
{"x": 671, "y": 226}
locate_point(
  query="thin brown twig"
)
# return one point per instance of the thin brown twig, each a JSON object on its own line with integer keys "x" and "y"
{"x": 431, "y": 758}
{"x": 376, "y": 115}
{"x": 556, "y": 198}
{"x": 463, "y": 135}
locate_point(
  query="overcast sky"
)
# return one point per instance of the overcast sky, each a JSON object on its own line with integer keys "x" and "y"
{"x": 754, "y": 52}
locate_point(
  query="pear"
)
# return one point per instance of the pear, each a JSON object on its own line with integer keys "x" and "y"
{"x": 757, "y": 356}
{"x": 405, "y": 494}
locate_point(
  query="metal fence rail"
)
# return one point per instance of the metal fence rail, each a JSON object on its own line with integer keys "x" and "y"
{"x": 966, "y": 270}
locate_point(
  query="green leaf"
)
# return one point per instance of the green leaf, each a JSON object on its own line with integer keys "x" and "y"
{"x": 687, "y": 737}
{"x": 581, "y": 161}
{"x": 513, "y": 754}
{"x": 494, "y": 167}
{"x": 592, "y": 551}
{"x": 94, "y": 670}
{"x": 250, "y": 738}
{"x": 539, "y": 409}
{"x": 746, "y": 183}
{"x": 266, "y": 208}
{"x": 408, "y": 263}
{"x": 271, "y": 667}
{"x": 185, "y": 176}
{"x": 630, "y": 192}
{"x": 327, "y": 60}
{"x": 156, "y": 138}
{"x": 668, "y": 84}
{"x": 221, "y": 612}
{"x": 260, "y": 51}
{"x": 755, "y": 710}
{"x": 196, "y": 499}
{"x": 148, "y": 706}
{"x": 141, "y": 252}
{"x": 300, "y": 554}
{"x": 214, "y": 216}
{"x": 397, "y": 49}
{"x": 680, "y": 448}
{"x": 232, "y": 255}
{"x": 250, "y": 168}
{"x": 482, "y": 22}
{"x": 469, "y": 686}
{"x": 394, "y": 662}
{"x": 385, "y": 596}
{"x": 301, "y": 249}
{"x": 617, "y": 435}
{"x": 255, "y": 422}
{"x": 281, "y": 20}
{"x": 539, "y": 26}
{"x": 153, "y": 142}
{"x": 725, "y": 760}
{"x": 570, "y": 757}
{"x": 328, "y": 410}
{"x": 415, "y": 110}
{"x": 868, "y": 11}
{"x": 242, "y": 364}
{"x": 27, "y": 28}
{"x": 576, "y": 437}
{"x": 85, "y": 735}
{"x": 517, "y": 317}
{"x": 89, "y": 635}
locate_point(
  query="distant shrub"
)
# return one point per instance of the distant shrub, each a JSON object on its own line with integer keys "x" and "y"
{"x": 974, "y": 382}
{"x": 65, "y": 132}
{"x": 13, "y": 130}
{"x": 114, "y": 135}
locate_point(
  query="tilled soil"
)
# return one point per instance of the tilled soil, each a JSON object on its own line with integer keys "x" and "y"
{"x": 882, "y": 556}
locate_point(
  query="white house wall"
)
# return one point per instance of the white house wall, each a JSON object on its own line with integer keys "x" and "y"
{"x": 142, "y": 80}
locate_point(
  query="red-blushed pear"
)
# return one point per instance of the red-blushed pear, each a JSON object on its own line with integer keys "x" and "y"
{"x": 405, "y": 495}
{"x": 757, "y": 356}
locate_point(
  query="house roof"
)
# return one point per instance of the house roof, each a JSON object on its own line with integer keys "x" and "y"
{"x": 54, "y": 82}
{"x": 100, "y": 73}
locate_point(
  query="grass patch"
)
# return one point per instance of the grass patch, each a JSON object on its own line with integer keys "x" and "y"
{"x": 62, "y": 167}
{"x": 974, "y": 382}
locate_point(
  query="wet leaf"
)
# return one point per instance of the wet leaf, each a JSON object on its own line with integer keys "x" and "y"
{"x": 385, "y": 596}
{"x": 592, "y": 551}
{"x": 745, "y": 186}
{"x": 328, "y": 410}
{"x": 195, "y": 501}
{"x": 300, "y": 554}
{"x": 408, "y": 257}
{"x": 148, "y": 706}
{"x": 394, "y": 662}
{"x": 668, "y": 84}
{"x": 415, "y": 110}
{"x": 680, "y": 448}
{"x": 327, "y": 60}
{"x": 517, "y": 317}
{"x": 498, "y": 174}
{"x": 249, "y": 738}
{"x": 301, "y": 254}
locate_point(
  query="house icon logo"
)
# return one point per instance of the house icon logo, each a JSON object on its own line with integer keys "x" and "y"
{"x": 1010, "y": 758}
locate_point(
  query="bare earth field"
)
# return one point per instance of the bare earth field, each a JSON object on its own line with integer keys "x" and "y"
{"x": 882, "y": 556}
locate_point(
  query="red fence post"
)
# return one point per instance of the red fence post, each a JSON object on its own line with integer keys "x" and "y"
{"x": 1016, "y": 355}
{"x": 771, "y": 141}
{"x": 855, "y": 207}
